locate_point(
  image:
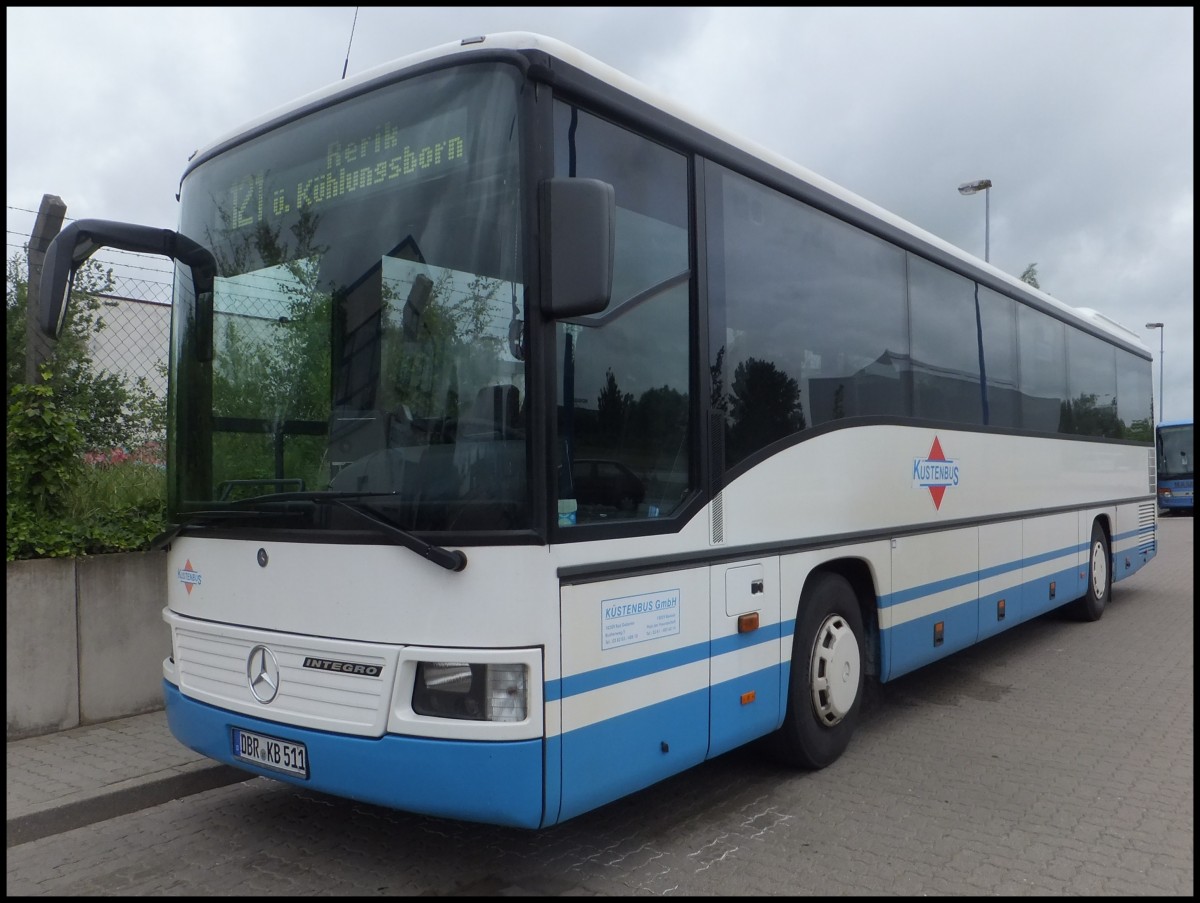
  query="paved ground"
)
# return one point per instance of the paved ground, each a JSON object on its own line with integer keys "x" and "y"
{"x": 1056, "y": 759}
{"x": 68, "y": 779}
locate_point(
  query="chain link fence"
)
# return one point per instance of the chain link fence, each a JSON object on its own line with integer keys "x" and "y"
{"x": 129, "y": 341}
{"x": 131, "y": 334}
{"x": 131, "y": 328}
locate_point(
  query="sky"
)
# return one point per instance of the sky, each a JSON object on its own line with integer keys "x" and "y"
{"x": 1082, "y": 118}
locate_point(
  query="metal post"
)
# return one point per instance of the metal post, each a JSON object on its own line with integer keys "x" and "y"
{"x": 48, "y": 224}
{"x": 984, "y": 185}
{"x": 1162, "y": 353}
{"x": 987, "y": 223}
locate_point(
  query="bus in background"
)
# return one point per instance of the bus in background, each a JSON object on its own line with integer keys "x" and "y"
{"x": 532, "y": 440}
{"x": 1176, "y": 466}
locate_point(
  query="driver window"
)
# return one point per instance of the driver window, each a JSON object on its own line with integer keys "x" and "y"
{"x": 624, "y": 401}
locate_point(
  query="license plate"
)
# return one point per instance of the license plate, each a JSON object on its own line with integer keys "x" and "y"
{"x": 271, "y": 752}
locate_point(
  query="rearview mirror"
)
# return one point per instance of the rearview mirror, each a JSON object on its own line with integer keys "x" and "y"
{"x": 83, "y": 238}
{"x": 577, "y": 231}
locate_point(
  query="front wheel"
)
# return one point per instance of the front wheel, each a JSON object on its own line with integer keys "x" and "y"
{"x": 826, "y": 688}
{"x": 1090, "y": 606}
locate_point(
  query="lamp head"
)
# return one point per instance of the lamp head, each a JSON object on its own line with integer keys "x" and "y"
{"x": 972, "y": 187}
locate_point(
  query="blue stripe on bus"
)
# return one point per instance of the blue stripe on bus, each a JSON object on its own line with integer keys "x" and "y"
{"x": 764, "y": 634}
{"x": 640, "y": 667}
{"x": 998, "y": 569}
{"x": 1066, "y": 577}
{"x": 496, "y": 782}
{"x": 904, "y": 647}
{"x": 611, "y": 675}
{"x": 910, "y": 645}
{"x": 928, "y": 589}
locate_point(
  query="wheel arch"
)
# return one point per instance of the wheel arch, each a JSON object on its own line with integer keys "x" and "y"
{"x": 1105, "y": 521}
{"x": 857, "y": 572}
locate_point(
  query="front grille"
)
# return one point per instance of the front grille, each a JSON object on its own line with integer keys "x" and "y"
{"x": 212, "y": 669}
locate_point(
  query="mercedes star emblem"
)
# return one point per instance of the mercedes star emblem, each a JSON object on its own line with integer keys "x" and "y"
{"x": 262, "y": 673}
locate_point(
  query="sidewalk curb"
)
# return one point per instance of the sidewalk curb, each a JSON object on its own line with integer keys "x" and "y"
{"x": 120, "y": 799}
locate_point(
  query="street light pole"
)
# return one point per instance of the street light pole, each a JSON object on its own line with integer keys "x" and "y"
{"x": 984, "y": 185}
{"x": 1161, "y": 331}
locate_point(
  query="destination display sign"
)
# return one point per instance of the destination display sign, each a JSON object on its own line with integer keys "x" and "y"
{"x": 350, "y": 165}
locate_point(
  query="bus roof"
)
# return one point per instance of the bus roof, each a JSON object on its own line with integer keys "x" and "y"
{"x": 552, "y": 47}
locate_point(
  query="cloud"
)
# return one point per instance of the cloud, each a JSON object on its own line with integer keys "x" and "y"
{"x": 1082, "y": 118}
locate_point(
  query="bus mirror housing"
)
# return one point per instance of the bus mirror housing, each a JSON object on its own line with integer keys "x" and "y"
{"x": 578, "y": 238}
{"x": 83, "y": 238}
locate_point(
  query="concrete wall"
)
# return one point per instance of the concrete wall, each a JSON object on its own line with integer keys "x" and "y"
{"x": 85, "y": 640}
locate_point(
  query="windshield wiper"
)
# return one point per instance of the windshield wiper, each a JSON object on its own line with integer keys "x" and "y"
{"x": 303, "y": 495}
{"x": 273, "y": 504}
{"x": 450, "y": 559}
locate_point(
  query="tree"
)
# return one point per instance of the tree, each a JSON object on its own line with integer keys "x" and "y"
{"x": 764, "y": 405}
{"x": 612, "y": 407}
{"x": 112, "y": 412}
{"x": 1029, "y": 277}
{"x": 72, "y": 344}
{"x": 660, "y": 418}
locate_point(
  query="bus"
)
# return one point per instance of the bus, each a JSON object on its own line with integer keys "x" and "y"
{"x": 1176, "y": 470}
{"x": 532, "y": 440}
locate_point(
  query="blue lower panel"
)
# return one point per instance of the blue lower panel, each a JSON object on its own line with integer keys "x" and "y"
{"x": 611, "y": 759}
{"x": 736, "y": 721}
{"x": 990, "y": 622}
{"x": 910, "y": 645}
{"x": 1126, "y": 564}
{"x": 1068, "y": 584}
{"x": 495, "y": 782}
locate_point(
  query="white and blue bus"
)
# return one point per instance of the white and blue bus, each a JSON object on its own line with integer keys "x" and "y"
{"x": 1176, "y": 466}
{"x": 531, "y": 441}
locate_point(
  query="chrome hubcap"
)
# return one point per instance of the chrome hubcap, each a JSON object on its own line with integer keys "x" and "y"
{"x": 836, "y": 666}
{"x": 1099, "y": 570}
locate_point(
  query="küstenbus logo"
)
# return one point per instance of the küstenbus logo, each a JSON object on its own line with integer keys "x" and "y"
{"x": 935, "y": 472}
{"x": 188, "y": 576}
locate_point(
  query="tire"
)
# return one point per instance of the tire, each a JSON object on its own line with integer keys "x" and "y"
{"x": 1090, "y": 606}
{"x": 826, "y": 688}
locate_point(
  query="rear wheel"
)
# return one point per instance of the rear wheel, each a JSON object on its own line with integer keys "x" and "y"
{"x": 1090, "y": 606}
{"x": 826, "y": 690}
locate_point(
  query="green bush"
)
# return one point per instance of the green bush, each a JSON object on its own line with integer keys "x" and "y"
{"x": 44, "y": 461}
{"x": 84, "y": 472}
{"x": 121, "y": 498}
{"x": 65, "y": 503}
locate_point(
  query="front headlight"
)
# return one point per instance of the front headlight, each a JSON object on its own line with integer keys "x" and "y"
{"x": 473, "y": 692}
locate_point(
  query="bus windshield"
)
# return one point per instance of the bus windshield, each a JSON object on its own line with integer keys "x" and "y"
{"x": 1175, "y": 451}
{"x": 366, "y": 325}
